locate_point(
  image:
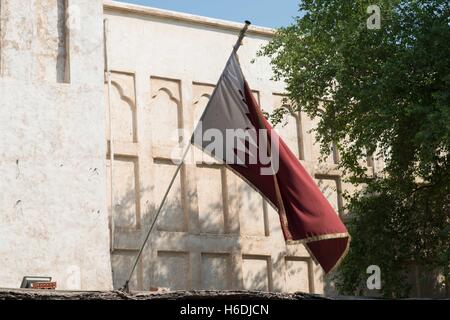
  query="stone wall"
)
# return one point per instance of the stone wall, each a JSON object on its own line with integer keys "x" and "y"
{"x": 215, "y": 231}
{"x": 53, "y": 213}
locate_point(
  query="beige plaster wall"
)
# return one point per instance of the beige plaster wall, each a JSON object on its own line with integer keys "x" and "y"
{"x": 53, "y": 213}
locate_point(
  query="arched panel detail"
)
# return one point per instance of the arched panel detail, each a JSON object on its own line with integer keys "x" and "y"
{"x": 169, "y": 94}
{"x": 291, "y": 129}
{"x": 166, "y": 116}
{"x": 124, "y": 117}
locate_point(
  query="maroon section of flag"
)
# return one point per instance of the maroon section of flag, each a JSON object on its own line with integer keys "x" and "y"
{"x": 305, "y": 214}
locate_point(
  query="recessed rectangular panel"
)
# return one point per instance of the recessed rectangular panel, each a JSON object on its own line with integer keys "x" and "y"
{"x": 172, "y": 270}
{"x": 297, "y": 275}
{"x": 123, "y": 108}
{"x": 50, "y": 40}
{"x": 331, "y": 155}
{"x": 289, "y": 128}
{"x": 210, "y": 199}
{"x": 329, "y": 187}
{"x": 165, "y": 112}
{"x": 216, "y": 271}
{"x": 121, "y": 261}
{"x": 251, "y": 210}
{"x": 126, "y": 192}
{"x": 257, "y": 273}
{"x": 201, "y": 94}
{"x": 172, "y": 217}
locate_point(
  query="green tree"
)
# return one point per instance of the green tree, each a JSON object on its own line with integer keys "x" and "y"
{"x": 382, "y": 92}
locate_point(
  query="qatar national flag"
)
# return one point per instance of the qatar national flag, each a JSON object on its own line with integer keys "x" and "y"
{"x": 233, "y": 130}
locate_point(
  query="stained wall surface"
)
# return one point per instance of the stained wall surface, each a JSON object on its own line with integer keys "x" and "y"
{"x": 53, "y": 211}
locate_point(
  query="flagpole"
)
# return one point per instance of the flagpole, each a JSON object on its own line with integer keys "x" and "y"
{"x": 241, "y": 36}
{"x": 126, "y": 286}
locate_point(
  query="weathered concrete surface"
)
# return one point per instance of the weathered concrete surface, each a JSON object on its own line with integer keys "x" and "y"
{"x": 6, "y": 294}
{"x": 53, "y": 215}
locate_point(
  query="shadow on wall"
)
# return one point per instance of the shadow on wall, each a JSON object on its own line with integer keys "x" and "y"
{"x": 329, "y": 286}
{"x": 173, "y": 265}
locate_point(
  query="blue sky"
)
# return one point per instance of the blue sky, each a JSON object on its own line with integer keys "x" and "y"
{"x": 266, "y": 13}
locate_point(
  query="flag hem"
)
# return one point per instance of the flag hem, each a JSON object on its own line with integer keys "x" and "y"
{"x": 326, "y": 236}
